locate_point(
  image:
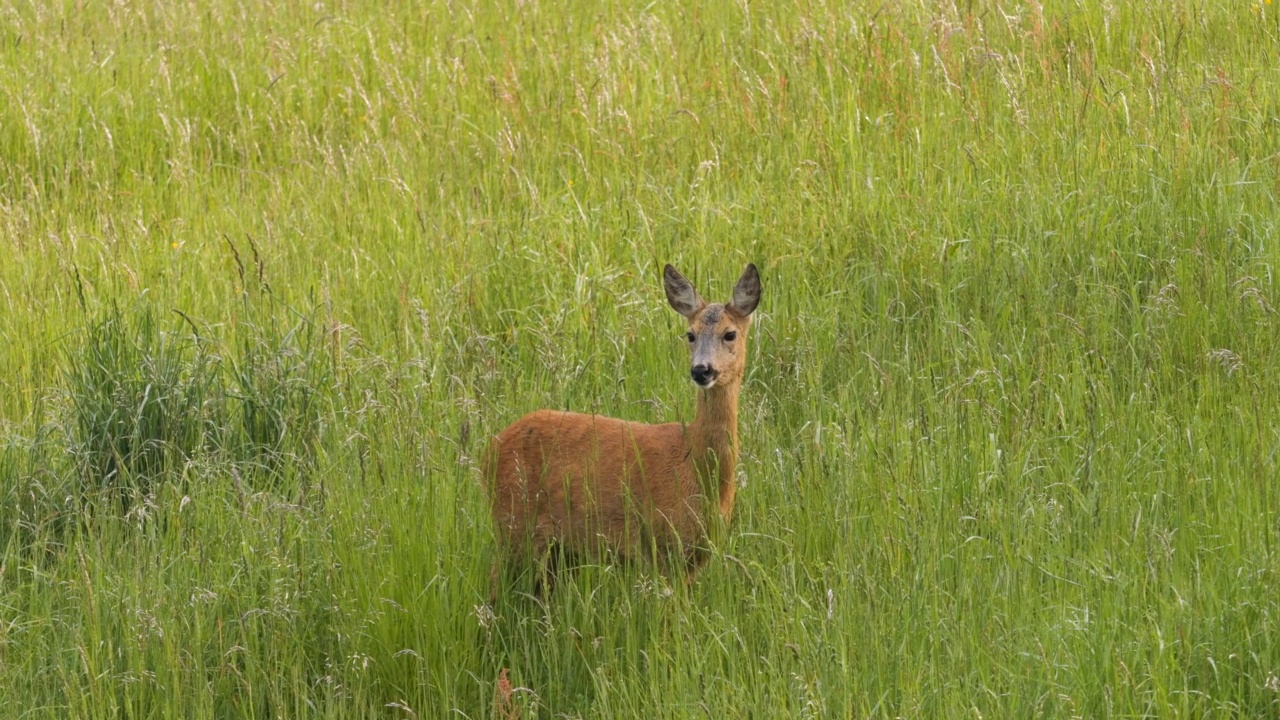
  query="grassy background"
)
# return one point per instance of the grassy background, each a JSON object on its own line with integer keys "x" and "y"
{"x": 273, "y": 272}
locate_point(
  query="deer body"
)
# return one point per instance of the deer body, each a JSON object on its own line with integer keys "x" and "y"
{"x": 593, "y": 486}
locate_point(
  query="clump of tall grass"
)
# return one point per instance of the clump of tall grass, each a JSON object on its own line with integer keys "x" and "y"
{"x": 144, "y": 402}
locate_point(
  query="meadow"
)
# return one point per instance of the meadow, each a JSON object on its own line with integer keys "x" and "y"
{"x": 274, "y": 272}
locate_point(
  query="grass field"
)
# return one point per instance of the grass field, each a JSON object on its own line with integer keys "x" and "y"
{"x": 273, "y": 272}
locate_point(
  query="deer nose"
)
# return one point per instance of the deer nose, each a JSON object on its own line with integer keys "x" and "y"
{"x": 703, "y": 374}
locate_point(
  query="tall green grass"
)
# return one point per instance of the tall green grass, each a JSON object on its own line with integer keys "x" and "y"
{"x": 1010, "y": 424}
{"x": 144, "y": 404}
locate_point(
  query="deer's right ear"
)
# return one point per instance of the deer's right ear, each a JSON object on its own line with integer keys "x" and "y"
{"x": 680, "y": 293}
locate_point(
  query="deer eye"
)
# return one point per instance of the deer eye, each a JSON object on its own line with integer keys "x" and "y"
{"x": 690, "y": 336}
{"x": 730, "y": 336}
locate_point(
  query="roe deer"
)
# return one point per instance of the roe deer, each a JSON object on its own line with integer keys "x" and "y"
{"x": 592, "y": 486}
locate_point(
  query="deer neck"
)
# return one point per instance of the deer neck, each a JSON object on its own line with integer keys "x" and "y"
{"x": 714, "y": 436}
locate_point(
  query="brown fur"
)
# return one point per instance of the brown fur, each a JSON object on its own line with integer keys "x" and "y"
{"x": 597, "y": 487}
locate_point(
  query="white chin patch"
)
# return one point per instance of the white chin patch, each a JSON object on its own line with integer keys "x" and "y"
{"x": 708, "y": 386}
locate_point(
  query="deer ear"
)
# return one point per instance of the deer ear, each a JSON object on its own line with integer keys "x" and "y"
{"x": 746, "y": 294}
{"x": 680, "y": 293}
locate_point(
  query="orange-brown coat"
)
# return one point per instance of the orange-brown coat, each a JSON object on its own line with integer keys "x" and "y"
{"x": 601, "y": 487}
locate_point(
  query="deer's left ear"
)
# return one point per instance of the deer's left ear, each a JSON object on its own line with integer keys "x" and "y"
{"x": 746, "y": 294}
